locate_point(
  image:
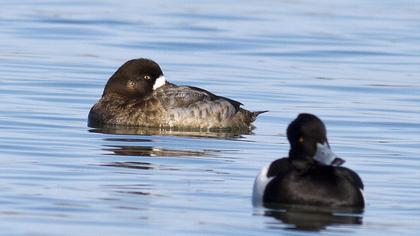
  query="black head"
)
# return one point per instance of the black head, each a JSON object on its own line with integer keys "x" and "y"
{"x": 308, "y": 141}
{"x": 136, "y": 78}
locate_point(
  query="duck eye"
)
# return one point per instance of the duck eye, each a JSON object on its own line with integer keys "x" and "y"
{"x": 146, "y": 77}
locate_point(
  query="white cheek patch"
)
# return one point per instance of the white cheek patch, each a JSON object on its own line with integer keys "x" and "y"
{"x": 159, "y": 82}
{"x": 260, "y": 184}
{"x": 324, "y": 154}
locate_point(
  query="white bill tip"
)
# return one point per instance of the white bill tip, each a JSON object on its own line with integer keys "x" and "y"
{"x": 159, "y": 82}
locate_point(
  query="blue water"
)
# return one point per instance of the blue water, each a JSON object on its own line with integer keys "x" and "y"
{"x": 354, "y": 64}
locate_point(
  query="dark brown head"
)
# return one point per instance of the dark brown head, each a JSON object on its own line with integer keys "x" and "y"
{"x": 308, "y": 141}
{"x": 136, "y": 78}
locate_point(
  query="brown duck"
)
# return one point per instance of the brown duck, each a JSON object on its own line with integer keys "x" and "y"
{"x": 137, "y": 94}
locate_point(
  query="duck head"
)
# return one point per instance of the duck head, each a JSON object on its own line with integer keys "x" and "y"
{"x": 309, "y": 144}
{"x": 136, "y": 78}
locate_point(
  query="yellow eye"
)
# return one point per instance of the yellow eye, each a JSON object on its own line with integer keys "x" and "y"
{"x": 301, "y": 140}
{"x": 146, "y": 77}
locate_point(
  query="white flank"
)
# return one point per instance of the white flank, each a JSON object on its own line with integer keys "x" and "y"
{"x": 324, "y": 154}
{"x": 363, "y": 195}
{"x": 260, "y": 184}
{"x": 159, "y": 82}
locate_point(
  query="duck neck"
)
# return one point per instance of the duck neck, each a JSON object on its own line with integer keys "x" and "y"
{"x": 300, "y": 160}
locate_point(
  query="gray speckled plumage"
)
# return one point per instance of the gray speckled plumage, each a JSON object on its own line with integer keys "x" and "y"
{"x": 193, "y": 107}
{"x": 167, "y": 106}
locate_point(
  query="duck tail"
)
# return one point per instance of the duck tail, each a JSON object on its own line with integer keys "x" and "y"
{"x": 254, "y": 114}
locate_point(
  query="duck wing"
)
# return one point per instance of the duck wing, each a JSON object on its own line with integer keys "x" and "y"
{"x": 184, "y": 96}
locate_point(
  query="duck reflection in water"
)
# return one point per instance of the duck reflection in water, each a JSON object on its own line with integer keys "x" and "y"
{"x": 150, "y": 151}
{"x": 205, "y": 133}
{"x": 313, "y": 218}
{"x": 143, "y": 145}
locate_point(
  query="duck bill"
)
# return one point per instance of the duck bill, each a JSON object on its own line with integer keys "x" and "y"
{"x": 326, "y": 156}
{"x": 160, "y": 81}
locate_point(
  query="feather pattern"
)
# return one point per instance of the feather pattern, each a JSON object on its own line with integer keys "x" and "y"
{"x": 137, "y": 94}
{"x": 194, "y": 107}
{"x": 184, "y": 96}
